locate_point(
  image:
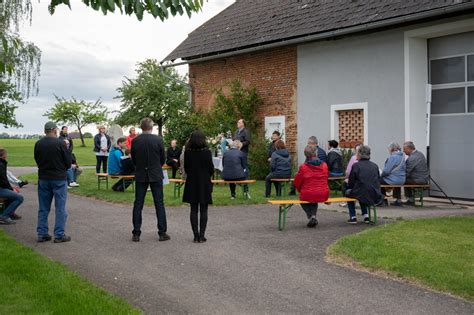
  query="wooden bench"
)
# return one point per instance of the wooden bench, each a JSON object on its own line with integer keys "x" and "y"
{"x": 241, "y": 183}
{"x": 102, "y": 177}
{"x": 283, "y": 184}
{"x": 417, "y": 191}
{"x": 126, "y": 179}
{"x": 177, "y": 184}
{"x": 285, "y": 205}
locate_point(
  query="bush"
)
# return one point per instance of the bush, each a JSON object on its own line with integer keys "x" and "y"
{"x": 88, "y": 135}
{"x": 258, "y": 157}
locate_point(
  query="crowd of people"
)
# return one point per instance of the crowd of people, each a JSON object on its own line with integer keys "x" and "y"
{"x": 144, "y": 156}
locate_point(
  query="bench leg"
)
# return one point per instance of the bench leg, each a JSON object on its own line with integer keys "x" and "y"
{"x": 107, "y": 183}
{"x": 373, "y": 217}
{"x": 98, "y": 183}
{"x": 175, "y": 189}
{"x": 282, "y": 212}
{"x": 418, "y": 193}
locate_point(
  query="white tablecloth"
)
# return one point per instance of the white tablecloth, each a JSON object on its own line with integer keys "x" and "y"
{"x": 217, "y": 163}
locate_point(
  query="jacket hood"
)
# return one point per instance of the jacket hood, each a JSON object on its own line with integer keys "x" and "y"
{"x": 337, "y": 150}
{"x": 397, "y": 153}
{"x": 314, "y": 162}
{"x": 283, "y": 153}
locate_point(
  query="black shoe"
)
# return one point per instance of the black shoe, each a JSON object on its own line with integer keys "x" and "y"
{"x": 397, "y": 203}
{"x": 409, "y": 203}
{"x": 6, "y": 221}
{"x": 44, "y": 238}
{"x": 135, "y": 238}
{"x": 312, "y": 223}
{"x": 196, "y": 238}
{"x": 62, "y": 239}
{"x": 15, "y": 216}
{"x": 22, "y": 183}
{"x": 366, "y": 220}
{"x": 202, "y": 239}
{"x": 292, "y": 193}
{"x": 352, "y": 221}
{"x": 164, "y": 237}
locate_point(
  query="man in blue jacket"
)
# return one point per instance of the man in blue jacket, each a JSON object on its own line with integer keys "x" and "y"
{"x": 115, "y": 157}
{"x": 393, "y": 172}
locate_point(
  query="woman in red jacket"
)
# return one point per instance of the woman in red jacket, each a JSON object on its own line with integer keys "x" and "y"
{"x": 312, "y": 183}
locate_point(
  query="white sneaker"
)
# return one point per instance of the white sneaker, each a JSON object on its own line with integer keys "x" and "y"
{"x": 343, "y": 204}
{"x": 69, "y": 187}
{"x": 74, "y": 184}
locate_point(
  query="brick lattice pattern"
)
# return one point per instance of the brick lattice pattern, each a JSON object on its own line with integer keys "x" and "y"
{"x": 272, "y": 72}
{"x": 351, "y": 127}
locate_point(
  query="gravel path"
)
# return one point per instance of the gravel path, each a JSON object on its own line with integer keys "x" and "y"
{"x": 247, "y": 265}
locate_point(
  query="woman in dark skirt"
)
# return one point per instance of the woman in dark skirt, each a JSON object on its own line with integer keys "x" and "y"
{"x": 199, "y": 169}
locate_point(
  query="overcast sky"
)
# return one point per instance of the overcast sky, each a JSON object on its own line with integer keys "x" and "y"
{"x": 86, "y": 54}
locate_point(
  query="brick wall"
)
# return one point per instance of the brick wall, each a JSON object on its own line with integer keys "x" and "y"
{"x": 272, "y": 72}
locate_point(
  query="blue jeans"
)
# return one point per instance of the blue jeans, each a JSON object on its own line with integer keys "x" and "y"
{"x": 71, "y": 175}
{"x": 47, "y": 189}
{"x": 352, "y": 209}
{"x": 14, "y": 200}
{"x": 140, "y": 193}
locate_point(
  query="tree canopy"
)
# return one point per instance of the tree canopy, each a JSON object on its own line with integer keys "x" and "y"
{"x": 78, "y": 113}
{"x": 155, "y": 92}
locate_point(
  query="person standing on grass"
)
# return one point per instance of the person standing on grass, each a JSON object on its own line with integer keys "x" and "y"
{"x": 243, "y": 135}
{"x": 14, "y": 199}
{"x": 148, "y": 155}
{"x": 102, "y": 146}
{"x": 198, "y": 188}
{"x": 312, "y": 183}
{"x": 53, "y": 160}
{"x": 132, "y": 135}
{"x": 64, "y": 135}
{"x": 172, "y": 157}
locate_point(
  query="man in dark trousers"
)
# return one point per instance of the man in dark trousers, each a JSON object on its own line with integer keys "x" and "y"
{"x": 172, "y": 157}
{"x": 13, "y": 198}
{"x": 53, "y": 160}
{"x": 243, "y": 135}
{"x": 148, "y": 154}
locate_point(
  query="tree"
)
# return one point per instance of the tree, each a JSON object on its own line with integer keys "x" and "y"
{"x": 157, "y": 8}
{"x": 156, "y": 93}
{"x": 9, "y": 96}
{"x": 77, "y": 113}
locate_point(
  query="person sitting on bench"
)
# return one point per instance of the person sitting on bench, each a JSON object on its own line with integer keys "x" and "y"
{"x": 234, "y": 164}
{"x": 280, "y": 164}
{"x": 364, "y": 185}
{"x": 14, "y": 199}
{"x": 335, "y": 159}
{"x": 416, "y": 170}
{"x": 172, "y": 157}
{"x": 312, "y": 183}
{"x": 393, "y": 173}
{"x": 115, "y": 163}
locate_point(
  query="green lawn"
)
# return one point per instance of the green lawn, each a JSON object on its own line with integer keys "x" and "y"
{"x": 33, "y": 284}
{"x": 436, "y": 252}
{"x": 20, "y": 152}
{"x": 221, "y": 194}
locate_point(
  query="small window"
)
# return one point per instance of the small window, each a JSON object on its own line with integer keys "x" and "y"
{"x": 448, "y": 101}
{"x": 448, "y": 70}
{"x": 470, "y": 99}
{"x": 470, "y": 68}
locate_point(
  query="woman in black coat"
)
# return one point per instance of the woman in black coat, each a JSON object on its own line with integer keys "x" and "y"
{"x": 199, "y": 169}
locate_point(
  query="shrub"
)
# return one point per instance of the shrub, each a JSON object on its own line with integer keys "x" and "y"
{"x": 258, "y": 157}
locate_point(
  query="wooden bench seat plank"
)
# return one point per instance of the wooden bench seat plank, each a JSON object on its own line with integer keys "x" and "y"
{"x": 336, "y": 178}
{"x": 281, "y": 179}
{"x": 221, "y": 181}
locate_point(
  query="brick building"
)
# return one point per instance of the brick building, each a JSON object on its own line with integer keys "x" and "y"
{"x": 370, "y": 71}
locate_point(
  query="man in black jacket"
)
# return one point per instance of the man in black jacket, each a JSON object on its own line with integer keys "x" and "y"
{"x": 64, "y": 135}
{"x": 243, "y": 135}
{"x": 172, "y": 157}
{"x": 53, "y": 160}
{"x": 148, "y": 154}
{"x": 14, "y": 199}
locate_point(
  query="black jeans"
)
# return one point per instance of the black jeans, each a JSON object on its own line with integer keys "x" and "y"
{"x": 268, "y": 183}
{"x": 233, "y": 186}
{"x": 174, "y": 167}
{"x": 101, "y": 159}
{"x": 195, "y": 208}
{"x": 310, "y": 208}
{"x": 140, "y": 193}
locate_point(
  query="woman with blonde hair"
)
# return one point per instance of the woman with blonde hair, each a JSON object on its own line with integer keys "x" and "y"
{"x": 102, "y": 146}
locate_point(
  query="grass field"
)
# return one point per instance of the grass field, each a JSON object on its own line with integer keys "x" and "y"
{"x": 436, "y": 252}
{"x": 33, "y": 284}
{"x": 221, "y": 193}
{"x": 20, "y": 152}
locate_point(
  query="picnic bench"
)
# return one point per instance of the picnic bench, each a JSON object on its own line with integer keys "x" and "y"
{"x": 241, "y": 183}
{"x": 104, "y": 177}
{"x": 177, "y": 184}
{"x": 285, "y": 205}
{"x": 417, "y": 191}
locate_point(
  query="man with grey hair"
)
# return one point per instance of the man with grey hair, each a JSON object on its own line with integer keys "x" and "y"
{"x": 393, "y": 172}
{"x": 234, "y": 163}
{"x": 312, "y": 183}
{"x": 364, "y": 185}
{"x": 416, "y": 169}
{"x": 148, "y": 154}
